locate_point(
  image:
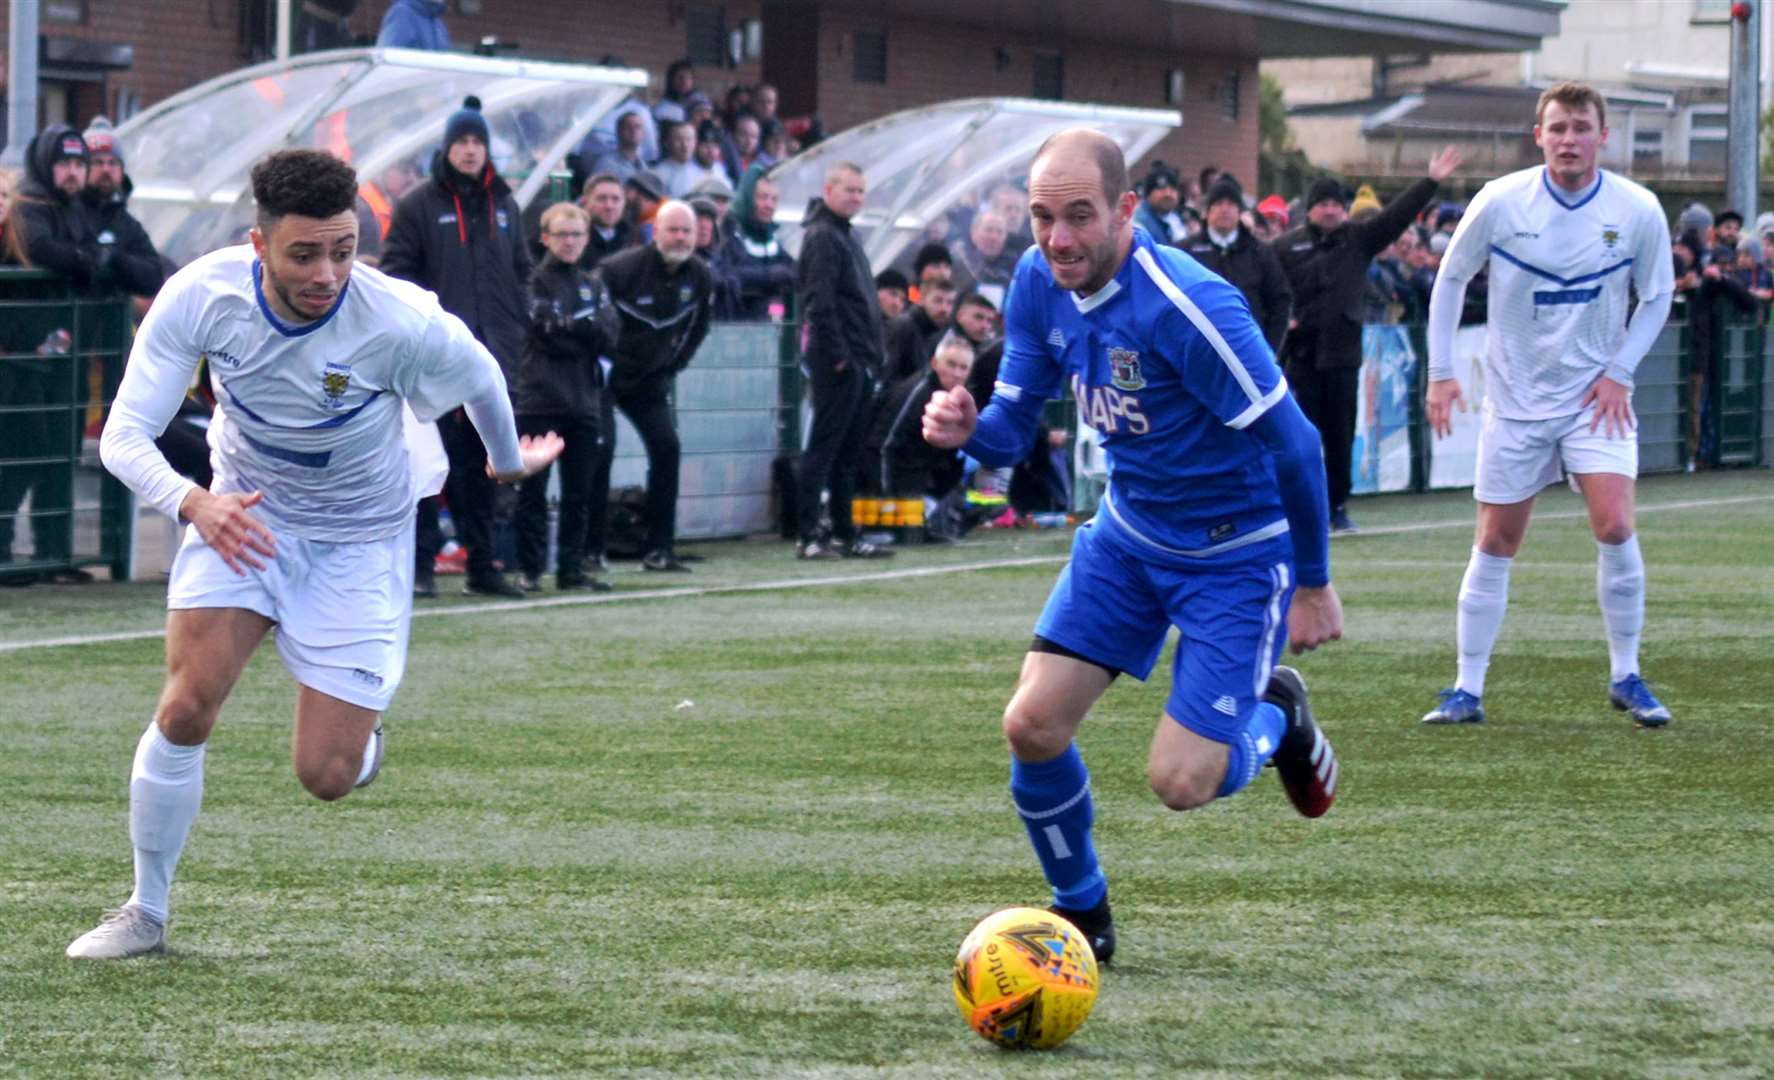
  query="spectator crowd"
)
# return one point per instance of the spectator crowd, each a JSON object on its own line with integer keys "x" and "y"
{"x": 596, "y": 304}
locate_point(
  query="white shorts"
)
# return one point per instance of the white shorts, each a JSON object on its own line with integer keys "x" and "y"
{"x": 1518, "y": 458}
{"x": 343, "y": 611}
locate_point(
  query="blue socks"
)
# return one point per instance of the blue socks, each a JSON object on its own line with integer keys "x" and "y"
{"x": 1053, "y": 800}
{"x": 1252, "y": 748}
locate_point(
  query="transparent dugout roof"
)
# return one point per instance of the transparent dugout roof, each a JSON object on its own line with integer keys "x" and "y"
{"x": 925, "y": 164}
{"x": 381, "y": 109}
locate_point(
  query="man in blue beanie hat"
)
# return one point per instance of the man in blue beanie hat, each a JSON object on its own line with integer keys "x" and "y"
{"x": 460, "y": 235}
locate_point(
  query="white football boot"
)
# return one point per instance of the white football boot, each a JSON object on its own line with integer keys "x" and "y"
{"x": 127, "y": 931}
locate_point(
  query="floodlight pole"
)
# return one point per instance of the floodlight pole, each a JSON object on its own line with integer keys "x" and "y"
{"x": 21, "y": 79}
{"x": 1743, "y": 132}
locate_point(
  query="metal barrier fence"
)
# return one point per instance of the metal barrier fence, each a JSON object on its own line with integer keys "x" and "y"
{"x": 61, "y": 357}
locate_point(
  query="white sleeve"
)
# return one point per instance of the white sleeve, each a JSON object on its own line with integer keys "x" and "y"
{"x": 161, "y": 363}
{"x": 450, "y": 368}
{"x": 1469, "y": 249}
{"x": 1446, "y": 300}
{"x": 1648, "y": 320}
{"x": 1653, "y": 269}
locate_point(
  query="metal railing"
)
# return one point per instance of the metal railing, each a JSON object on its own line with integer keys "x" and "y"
{"x": 61, "y": 358}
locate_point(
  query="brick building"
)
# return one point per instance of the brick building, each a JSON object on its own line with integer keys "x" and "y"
{"x": 844, "y": 60}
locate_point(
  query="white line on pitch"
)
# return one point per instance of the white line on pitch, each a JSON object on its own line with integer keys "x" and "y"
{"x": 824, "y": 582}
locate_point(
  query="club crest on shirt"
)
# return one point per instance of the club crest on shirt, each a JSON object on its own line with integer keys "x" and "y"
{"x": 334, "y": 381}
{"x": 1124, "y": 370}
{"x": 1611, "y": 236}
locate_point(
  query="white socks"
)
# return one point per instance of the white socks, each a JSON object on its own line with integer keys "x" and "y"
{"x": 1620, "y": 587}
{"x": 369, "y": 758}
{"x": 165, "y": 791}
{"x": 1484, "y": 596}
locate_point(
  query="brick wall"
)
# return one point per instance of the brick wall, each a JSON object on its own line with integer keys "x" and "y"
{"x": 926, "y": 61}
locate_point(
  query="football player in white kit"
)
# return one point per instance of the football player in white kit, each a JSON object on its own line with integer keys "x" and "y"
{"x": 308, "y": 527}
{"x": 1564, "y": 244}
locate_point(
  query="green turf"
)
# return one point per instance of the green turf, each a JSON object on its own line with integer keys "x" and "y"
{"x": 740, "y": 834}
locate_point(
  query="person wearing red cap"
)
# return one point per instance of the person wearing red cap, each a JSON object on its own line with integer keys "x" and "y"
{"x": 137, "y": 265}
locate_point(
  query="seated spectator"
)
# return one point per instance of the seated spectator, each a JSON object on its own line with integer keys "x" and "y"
{"x": 627, "y": 157}
{"x": 890, "y": 290}
{"x": 573, "y": 325}
{"x": 716, "y": 190}
{"x": 678, "y": 169}
{"x": 912, "y": 336}
{"x": 748, "y": 147}
{"x": 761, "y": 271}
{"x": 673, "y": 105}
{"x": 604, "y": 202}
{"x": 708, "y": 155}
{"x": 414, "y": 24}
{"x": 981, "y": 262}
{"x": 931, "y": 265}
{"x": 897, "y": 462}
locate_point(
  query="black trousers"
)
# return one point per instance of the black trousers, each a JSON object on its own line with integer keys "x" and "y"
{"x": 834, "y": 451}
{"x": 470, "y": 491}
{"x": 47, "y": 431}
{"x": 649, "y": 410}
{"x": 576, "y": 463}
{"x": 1328, "y": 397}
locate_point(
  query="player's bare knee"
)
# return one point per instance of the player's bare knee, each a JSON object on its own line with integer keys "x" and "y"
{"x": 327, "y": 780}
{"x": 1033, "y": 734}
{"x": 1183, "y": 788}
{"x": 185, "y": 718}
{"x": 1614, "y": 532}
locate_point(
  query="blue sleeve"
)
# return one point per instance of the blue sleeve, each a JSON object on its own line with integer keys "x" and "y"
{"x": 1226, "y": 363}
{"x": 1294, "y": 445}
{"x": 1027, "y": 379}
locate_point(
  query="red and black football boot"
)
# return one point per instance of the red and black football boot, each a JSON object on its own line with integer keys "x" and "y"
{"x": 1305, "y": 762}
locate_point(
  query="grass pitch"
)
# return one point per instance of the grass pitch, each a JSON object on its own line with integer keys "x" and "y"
{"x": 740, "y": 831}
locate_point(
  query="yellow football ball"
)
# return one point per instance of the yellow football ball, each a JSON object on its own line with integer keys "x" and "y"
{"x": 1025, "y": 979}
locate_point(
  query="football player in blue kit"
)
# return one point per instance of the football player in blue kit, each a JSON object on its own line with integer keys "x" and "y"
{"x": 1215, "y": 519}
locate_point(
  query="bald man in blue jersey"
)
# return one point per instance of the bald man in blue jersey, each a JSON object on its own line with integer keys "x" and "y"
{"x": 1215, "y": 519}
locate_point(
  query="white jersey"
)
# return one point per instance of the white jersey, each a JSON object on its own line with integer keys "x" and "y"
{"x": 310, "y": 414}
{"x": 1561, "y": 273}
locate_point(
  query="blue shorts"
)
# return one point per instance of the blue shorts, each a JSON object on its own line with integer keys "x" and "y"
{"x": 1115, "y": 604}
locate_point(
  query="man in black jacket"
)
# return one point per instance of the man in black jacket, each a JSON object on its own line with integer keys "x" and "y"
{"x": 460, "y": 235}
{"x": 573, "y": 326}
{"x": 58, "y": 231}
{"x": 664, "y": 296}
{"x": 842, "y": 355}
{"x": 137, "y": 268}
{"x": 1326, "y": 261}
{"x": 605, "y": 202}
{"x": 912, "y": 336}
{"x": 1227, "y": 248}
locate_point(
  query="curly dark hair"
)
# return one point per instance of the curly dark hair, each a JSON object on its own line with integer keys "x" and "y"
{"x": 312, "y": 183}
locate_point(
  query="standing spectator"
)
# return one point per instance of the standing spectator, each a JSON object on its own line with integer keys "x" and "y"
{"x": 708, "y": 245}
{"x": 763, "y": 105}
{"x": 603, "y": 204}
{"x": 573, "y": 326}
{"x": 1326, "y": 261}
{"x": 1752, "y": 273}
{"x": 678, "y": 169}
{"x": 748, "y": 147}
{"x": 912, "y": 337}
{"x": 646, "y": 194}
{"x": 15, "y": 376}
{"x": 715, "y": 189}
{"x": 674, "y": 104}
{"x": 414, "y": 24}
{"x": 891, "y": 288}
{"x": 1271, "y": 217}
{"x": 841, "y": 353}
{"x": 1696, "y": 220}
{"x": 625, "y": 158}
{"x": 1727, "y": 229}
{"x": 12, "y": 233}
{"x": 709, "y": 155}
{"x": 1227, "y": 248}
{"x": 460, "y": 235}
{"x": 763, "y": 273}
{"x": 982, "y": 263}
{"x": 1160, "y": 197}
{"x": 664, "y": 296}
{"x": 58, "y": 237}
{"x": 135, "y": 264}
{"x": 1011, "y": 204}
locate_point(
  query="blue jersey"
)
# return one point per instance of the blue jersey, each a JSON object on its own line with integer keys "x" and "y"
{"x": 1169, "y": 367}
